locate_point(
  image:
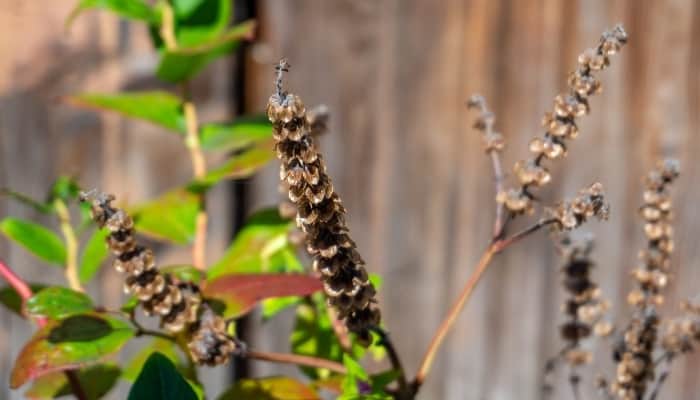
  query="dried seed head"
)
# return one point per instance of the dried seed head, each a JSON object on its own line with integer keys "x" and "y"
{"x": 589, "y": 203}
{"x": 560, "y": 124}
{"x": 175, "y": 303}
{"x": 493, "y": 141}
{"x": 320, "y": 214}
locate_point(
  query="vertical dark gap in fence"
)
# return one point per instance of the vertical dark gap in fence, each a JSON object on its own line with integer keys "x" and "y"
{"x": 243, "y": 10}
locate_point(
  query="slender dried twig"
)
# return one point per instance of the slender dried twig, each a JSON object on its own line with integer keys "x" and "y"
{"x": 296, "y": 359}
{"x": 663, "y": 376}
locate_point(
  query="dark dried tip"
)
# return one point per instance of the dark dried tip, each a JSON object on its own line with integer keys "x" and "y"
{"x": 280, "y": 69}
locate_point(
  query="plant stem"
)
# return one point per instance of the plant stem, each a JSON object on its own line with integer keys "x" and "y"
{"x": 494, "y": 248}
{"x": 385, "y": 340}
{"x": 167, "y": 25}
{"x": 285, "y": 358}
{"x": 200, "y": 170}
{"x": 668, "y": 358}
{"x": 71, "y": 245}
{"x": 25, "y": 293}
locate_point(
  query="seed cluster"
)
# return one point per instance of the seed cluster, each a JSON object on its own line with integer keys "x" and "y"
{"x": 679, "y": 335}
{"x": 634, "y": 355}
{"x": 560, "y": 124}
{"x": 320, "y": 214}
{"x": 589, "y": 203}
{"x": 176, "y": 303}
{"x": 583, "y": 307}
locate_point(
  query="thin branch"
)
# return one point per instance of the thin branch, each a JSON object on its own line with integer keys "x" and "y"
{"x": 385, "y": 340}
{"x": 663, "y": 376}
{"x": 167, "y": 25}
{"x": 199, "y": 167}
{"x": 296, "y": 359}
{"x": 71, "y": 245}
{"x": 495, "y": 248}
{"x": 574, "y": 380}
{"x": 25, "y": 293}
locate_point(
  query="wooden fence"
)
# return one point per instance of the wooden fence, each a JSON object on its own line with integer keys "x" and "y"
{"x": 411, "y": 170}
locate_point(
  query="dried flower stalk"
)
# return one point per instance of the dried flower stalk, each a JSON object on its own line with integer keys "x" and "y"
{"x": 320, "y": 214}
{"x": 178, "y": 304}
{"x": 589, "y": 203}
{"x": 634, "y": 354}
{"x": 560, "y": 124}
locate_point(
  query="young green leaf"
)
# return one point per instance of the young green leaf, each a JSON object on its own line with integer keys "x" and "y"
{"x": 64, "y": 188}
{"x": 198, "y": 21}
{"x": 354, "y": 378}
{"x": 169, "y": 217}
{"x": 75, "y": 342}
{"x": 38, "y": 240}
{"x": 58, "y": 302}
{"x": 186, "y": 273}
{"x": 240, "y": 293}
{"x": 260, "y": 246}
{"x": 94, "y": 254}
{"x": 182, "y": 63}
{"x": 272, "y": 307}
{"x": 271, "y": 388}
{"x": 10, "y": 299}
{"x": 159, "y": 380}
{"x": 245, "y": 131}
{"x": 131, "y": 9}
{"x": 158, "y": 107}
{"x": 96, "y": 381}
{"x": 239, "y": 166}
{"x": 164, "y": 347}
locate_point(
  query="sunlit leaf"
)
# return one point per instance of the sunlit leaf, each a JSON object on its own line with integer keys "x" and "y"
{"x": 131, "y": 9}
{"x": 241, "y": 292}
{"x": 169, "y": 217}
{"x": 241, "y": 165}
{"x": 58, "y": 302}
{"x": 38, "y": 240}
{"x": 94, "y": 254}
{"x": 10, "y": 299}
{"x": 198, "y": 21}
{"x": 184, "y": 62}
{"x": 272, "y": 307}
{"x": 165, "y": 347}
{"x": 64, "y": 188}
{"x": 96, "y": 382}
{"x": 75, "y": 342}
{"x": 355, "y": 376}
{"x": 186, "y": 273}
{"x": 261, "y": 246}
{"x": 243, "y": 132}
{"x": 271, "y": 388}
{"x": 158, "y": 107}
{"x": 159, "y": 380}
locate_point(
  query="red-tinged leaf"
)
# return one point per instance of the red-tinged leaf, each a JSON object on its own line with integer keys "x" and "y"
{"x": 240, "y": 293}
{"x": 271, "y": 388}
{"x": 75, "y": 342}
{"x": 96, "y": 381}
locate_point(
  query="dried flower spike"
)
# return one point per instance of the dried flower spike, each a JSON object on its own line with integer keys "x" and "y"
{"x": 176, "y": 303}
{"x": 560, "y": 123}
{"x": 634, "y": 355}
{"x": 320, "y": 213}
{"x": 588, "y": 204}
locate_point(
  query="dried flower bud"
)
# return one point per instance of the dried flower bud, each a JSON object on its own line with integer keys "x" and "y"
{"x": 589, "y": 203}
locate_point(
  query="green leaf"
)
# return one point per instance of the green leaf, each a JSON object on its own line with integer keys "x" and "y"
{"x": 164, "y": 347}
{"x": 239, "y": 166}
{"x": 94, "y": 254}
{"x": 96, "y": 381}
{"x": 158, "y": 107}
{"x": 169, "y": 217}
{"x": 187, "y": 273}
{"x": 272, "y": 307}
{"x": 131, "y": 9}
{"x": 75, "y": 342}
{"x": 245, "y": 131}
{"x": 240, "y": 293}
{"x": 10, "y": 299}
{"x": 261, "y": 246}
{"x": 38, "y": 240}
{"x": 64, "y": 188}
{"x": 198, "y": 21}
{"x": 58, "y": 302}
{"x": 182, "y": 63}
{"x": 271, "y": 388}
{"x": 159, "y": 380}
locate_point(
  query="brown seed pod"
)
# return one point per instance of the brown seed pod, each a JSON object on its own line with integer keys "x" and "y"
{"x": 320, "y": 213}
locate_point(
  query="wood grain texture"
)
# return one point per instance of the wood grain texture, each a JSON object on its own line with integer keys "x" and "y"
{"x": 403, "y": 155}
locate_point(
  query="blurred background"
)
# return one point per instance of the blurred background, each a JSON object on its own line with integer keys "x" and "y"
{"x": 409, "y": 167}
